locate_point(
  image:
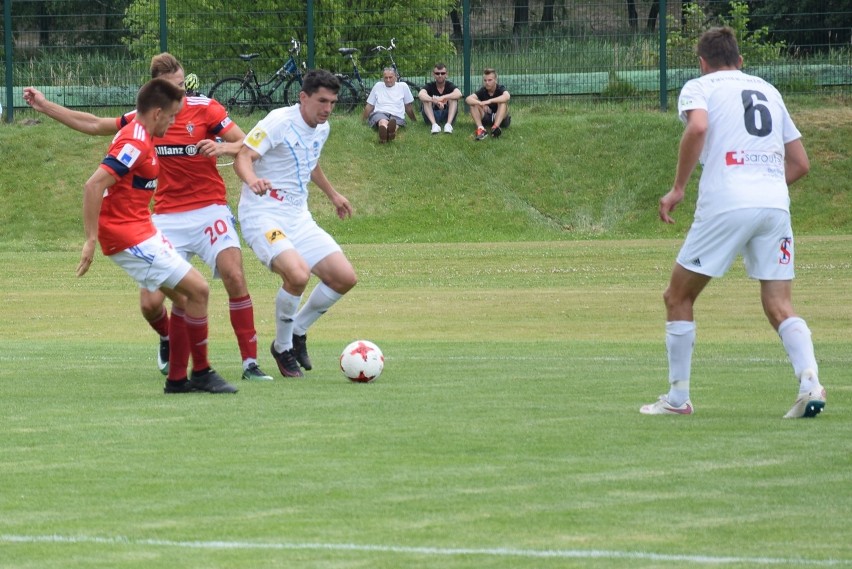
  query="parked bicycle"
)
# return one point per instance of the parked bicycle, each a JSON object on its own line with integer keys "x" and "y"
{"x": 353, "y": 90}
{"x": 242, "y": 95}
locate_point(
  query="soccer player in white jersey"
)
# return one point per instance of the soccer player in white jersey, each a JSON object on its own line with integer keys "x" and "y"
{"x": 280, "y": 155}
{"x": 739, "y": 129}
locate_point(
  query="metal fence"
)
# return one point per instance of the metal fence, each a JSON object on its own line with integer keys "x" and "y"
{"x": 87, "y": 53}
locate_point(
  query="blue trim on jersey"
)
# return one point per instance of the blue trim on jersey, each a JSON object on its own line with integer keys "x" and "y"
{"x": 116, "y": 165}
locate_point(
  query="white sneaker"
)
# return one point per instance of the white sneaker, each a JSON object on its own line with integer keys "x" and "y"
{"x": 436, "y": 129}
{"x": 448, "y": 128}
{"x": 663, "y": 407}
{"x": 808, "y": 404}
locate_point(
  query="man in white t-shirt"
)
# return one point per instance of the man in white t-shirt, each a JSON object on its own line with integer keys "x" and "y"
{"x": 387, "y": 104}
{"x": 739, "y": 129}
{"x": 280, "y": 155}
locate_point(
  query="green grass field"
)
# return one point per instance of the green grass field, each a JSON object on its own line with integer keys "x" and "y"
{"x": 519, "y": 306}
{"x": 504, "y": 431}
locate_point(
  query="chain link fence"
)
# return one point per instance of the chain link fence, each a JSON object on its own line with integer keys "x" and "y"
{"x": 84, "y": 53}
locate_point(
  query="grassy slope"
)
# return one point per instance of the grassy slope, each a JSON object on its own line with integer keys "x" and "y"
{"x": 559, "y": 173}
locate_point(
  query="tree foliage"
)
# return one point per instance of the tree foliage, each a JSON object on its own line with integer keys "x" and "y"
{"x": 208, "y": 34}
{"x": 817, "y": 24}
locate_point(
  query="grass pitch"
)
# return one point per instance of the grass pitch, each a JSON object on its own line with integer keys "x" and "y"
{"x": 503, "y": 433}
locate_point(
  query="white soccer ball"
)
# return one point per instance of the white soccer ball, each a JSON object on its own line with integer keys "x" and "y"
{"x": 362, "y": 361}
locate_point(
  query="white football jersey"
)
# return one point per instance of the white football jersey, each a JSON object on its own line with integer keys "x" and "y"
{"x": 289, "y": 150}
{"x": 743, "y": 155}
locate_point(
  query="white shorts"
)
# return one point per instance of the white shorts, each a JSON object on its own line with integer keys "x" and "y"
{"x": 270, "y": 232}
{"x": 153, "y": 263}
{"x": 764, "y": 237}
{"x": 205, "y": 232}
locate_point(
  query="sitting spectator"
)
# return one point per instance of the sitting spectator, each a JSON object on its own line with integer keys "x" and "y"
{"x": 440, "y": 99}
{"x": 489, "y": 106}
{"x": 387, "y": 105}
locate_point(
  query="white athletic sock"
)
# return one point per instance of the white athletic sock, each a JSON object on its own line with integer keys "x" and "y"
{"x": 321, "y": 299}
{"x": 285, "y": 309}
{"x": 796, "y": 337}
{"x": 680, "y": 339}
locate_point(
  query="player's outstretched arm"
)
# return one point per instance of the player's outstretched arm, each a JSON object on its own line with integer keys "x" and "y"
{"x": 78, "y": 120}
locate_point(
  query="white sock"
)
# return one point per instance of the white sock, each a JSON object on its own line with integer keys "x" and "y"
{"x": 796, "y": 337}
{"x": 321, "y": 299}
{"x": 285, "y": 309}
{"x": 680, "y": 339}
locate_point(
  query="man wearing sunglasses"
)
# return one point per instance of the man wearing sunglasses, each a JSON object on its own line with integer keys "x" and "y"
{"x": 440, "y": 100}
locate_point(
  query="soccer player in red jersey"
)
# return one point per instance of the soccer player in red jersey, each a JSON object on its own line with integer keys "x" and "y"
{"x": 190, "y": 207}
{"x": 115, "y": 214}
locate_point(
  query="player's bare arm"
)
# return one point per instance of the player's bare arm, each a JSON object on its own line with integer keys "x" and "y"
{"x": 83, "y": 122}
{"x": 796, "y": 162}
{"x": 340, "y": 203}
{"x": 232, "y": 143}
{"x": 244, "y": 167}
{"x": 691, "y": 144}
{"x": 93, "y": 197}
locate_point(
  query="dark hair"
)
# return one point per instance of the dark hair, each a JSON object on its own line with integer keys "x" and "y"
{"x": 718, "y": 48}
{"x": 439, "y": 66}
{"x": 489, "y": 71}
{"x": 316, "y": 79}
{"x": 157, "y": 94}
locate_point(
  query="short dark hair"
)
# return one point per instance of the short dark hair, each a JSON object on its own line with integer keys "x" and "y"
{"x": 157, "y": 94}
{"x": 316, "y": 79}
{"x": 718, "y": 48}
{"x": 439, "y": 66}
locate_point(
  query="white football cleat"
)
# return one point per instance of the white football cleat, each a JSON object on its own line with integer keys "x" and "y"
{"x": 663, "y": 407}
{"x": 808, "y": 404}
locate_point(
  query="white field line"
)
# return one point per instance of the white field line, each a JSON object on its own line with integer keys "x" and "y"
{"x": 427, "y": 551}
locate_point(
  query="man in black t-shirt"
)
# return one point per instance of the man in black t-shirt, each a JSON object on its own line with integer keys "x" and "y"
{"x": 489, "y": 106}
{"x": 440, "y": 101}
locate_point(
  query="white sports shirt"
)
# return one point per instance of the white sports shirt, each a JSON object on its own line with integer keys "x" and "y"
{"x": 391, "y": 100}
{"x": 289, "y": 150}
{"x": 743, "y": 155}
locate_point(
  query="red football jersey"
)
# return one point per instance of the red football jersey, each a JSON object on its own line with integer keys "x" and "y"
{"x": 189, "y": 180}
{"x": 125, "y": 220}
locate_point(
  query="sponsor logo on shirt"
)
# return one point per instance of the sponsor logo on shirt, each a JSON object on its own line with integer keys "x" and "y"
{"x": 753, "y": 158}
{"x": 128, "y": 155}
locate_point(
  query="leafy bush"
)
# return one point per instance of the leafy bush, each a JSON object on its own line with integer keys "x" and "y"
{"x": 755, "y": 46}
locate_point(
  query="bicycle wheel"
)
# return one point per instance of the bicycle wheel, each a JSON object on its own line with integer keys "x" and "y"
{"x": 347, "y": 98}
{"x": 235, "y": 95}
{"x": 291, "y": 91}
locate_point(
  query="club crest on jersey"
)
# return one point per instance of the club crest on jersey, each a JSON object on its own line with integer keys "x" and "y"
{"x": 190, "y": 128}
{"x": 274, "y": 235}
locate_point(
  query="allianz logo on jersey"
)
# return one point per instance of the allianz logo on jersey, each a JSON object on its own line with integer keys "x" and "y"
{"x": 753, "y": 158}
{"x": 177, "y": 150}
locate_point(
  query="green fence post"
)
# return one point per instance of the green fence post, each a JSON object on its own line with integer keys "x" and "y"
{"x": 164, "y": 29}
{"x": 466, "y": 44}
{"x": 310, "y": 33}
{"x": 664, "y": 83}
{"x": 7, "y": 44}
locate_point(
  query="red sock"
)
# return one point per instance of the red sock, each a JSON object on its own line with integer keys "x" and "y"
{"x": 178, "y": 345}
{"x": 161, "y": 324}
{"x": 196, "y": 329}
{"x": 242, "y": 320}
